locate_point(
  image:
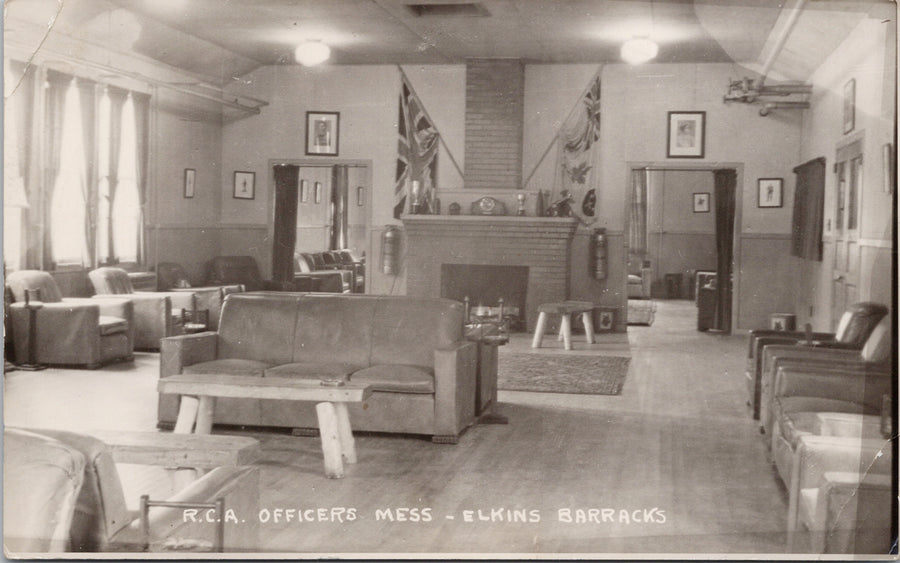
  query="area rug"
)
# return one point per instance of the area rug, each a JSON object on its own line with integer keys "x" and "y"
{"x": 560, "y": 373}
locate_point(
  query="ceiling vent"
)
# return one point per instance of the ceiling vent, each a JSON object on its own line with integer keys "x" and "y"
{"x": 464, "y": 9}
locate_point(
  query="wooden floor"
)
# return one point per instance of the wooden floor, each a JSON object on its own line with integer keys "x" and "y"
{"x": 673, "y": 465}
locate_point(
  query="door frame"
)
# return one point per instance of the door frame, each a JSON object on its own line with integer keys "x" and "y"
{"x": 663, "y": 166}
{"x": 319, "y": 163}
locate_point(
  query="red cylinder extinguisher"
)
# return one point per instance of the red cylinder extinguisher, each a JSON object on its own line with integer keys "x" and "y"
{"x": 390, "y": 250}
{"x": 598, "y": 253}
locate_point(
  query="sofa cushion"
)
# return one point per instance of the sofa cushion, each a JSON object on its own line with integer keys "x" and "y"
{"x": 396, "y": 378}
{"x": 783, "y": 407}
{"x": 313, "y": 370}
{"x": 112, "y": 325}
{"x": 231, "y": 366}
{"x": 258, "y": 327}
{"x": 334, "y": 327}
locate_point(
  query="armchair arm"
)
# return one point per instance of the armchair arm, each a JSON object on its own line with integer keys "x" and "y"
{"x": 454, "y": 387}
{"x": 864, "y": 387}
{"x": 185, "y": 529}
{"x": 65, "y": 333}
{"x": 153, "y": 318}
{"x": 175, "y": 352}
{"x": 856, "y": 511}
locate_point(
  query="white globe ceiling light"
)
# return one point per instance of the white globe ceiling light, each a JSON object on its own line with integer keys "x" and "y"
{"x": 639, "y": 50}
{"x": 311, "y": 53}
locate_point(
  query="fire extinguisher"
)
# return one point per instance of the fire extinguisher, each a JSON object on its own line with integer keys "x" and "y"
{"x": 390, "y": 250}
{"x": 598, "y": 253}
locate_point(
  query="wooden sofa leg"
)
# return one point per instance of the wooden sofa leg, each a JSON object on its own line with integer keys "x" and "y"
{"x": 445, "y": 439}
{"x": 308, "y": 432}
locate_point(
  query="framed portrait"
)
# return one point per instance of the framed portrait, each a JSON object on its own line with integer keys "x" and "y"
{"x": 849, "y": 105}
{"x": 769, "y": 192}
{"x": 701, "y": 202}
{"x": 318, "y": 192}
{"x": 304, "y": 191}
{"x": 322, "y": 132}
{"x": 244, "y": 184}
{"x": 190, "y": 178}
{"x": 686, "y": 134}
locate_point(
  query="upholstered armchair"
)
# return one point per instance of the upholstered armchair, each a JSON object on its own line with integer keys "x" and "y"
{"x": 156, "y": 313}
{"x": 331, "y": 281}
{"x": 357, "y": 266}
{"x": 876, "y": 351}
{"x": 852, "y": 331}
{"x": 229, "y": 270}
{"x": 67, "y": 331}
{"x": 172, "y": 277}
{"x": 805, "y": 397}
{"x": 840, "y": 496}
{"x": 63, "y": 492}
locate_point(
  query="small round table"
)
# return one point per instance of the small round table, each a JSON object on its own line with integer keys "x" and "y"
{"x": 565, "y": 309}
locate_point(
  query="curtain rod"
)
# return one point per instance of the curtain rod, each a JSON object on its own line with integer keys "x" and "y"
{"x": 236, "y": 104}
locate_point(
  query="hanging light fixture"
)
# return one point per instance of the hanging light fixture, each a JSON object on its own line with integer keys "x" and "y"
{"x": 639, "y": 50}
{"x": 311, "y": 53}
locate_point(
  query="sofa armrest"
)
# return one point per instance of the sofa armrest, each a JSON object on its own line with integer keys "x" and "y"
{"x": 454, "y": 387}
{"x": 186, "y": 529}
{"x": 176, "y": 352}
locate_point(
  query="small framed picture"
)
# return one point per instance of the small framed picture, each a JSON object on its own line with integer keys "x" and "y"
{"x": 244, "y": 185}
{"x": 849, "y": 105}
{"x": 686, "y": 134}
{"x": 190, "y": 177}
{"x": 360, "y": 196}
{"x": 701, "y": 202}
{"x": 318, "y": 194}
{"x": 304, "y": 191}
{"x": 322, "y": 132}
{"x": 769, "y": 192}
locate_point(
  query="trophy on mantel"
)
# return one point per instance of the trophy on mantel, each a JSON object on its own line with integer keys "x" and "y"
{"x": 521, "y": 210}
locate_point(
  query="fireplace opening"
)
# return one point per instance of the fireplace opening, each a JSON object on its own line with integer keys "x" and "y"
{"x": 485, "y": 285}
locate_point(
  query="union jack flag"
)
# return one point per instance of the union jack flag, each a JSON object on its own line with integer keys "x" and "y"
{"x": 416, "y": 150}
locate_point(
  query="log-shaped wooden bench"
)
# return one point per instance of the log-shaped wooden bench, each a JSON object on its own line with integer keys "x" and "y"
{"x": 565, "y": 309}
{"x": 198, "y": 400}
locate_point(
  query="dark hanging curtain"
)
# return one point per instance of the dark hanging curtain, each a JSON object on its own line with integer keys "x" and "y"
{"x": 285, "y": 221}
{"x": 809, "y": 210}
{"x": 725, "y": 182}
{"x": 339, "y": 191}
{"x": 637, "y": 226}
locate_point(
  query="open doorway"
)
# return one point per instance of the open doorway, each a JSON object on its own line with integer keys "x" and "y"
{"x": 319, "y": 206}
{"x": 680, "y": 227}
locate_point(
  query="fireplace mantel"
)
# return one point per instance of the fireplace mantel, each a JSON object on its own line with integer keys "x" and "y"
{"x": 541, "y": 243}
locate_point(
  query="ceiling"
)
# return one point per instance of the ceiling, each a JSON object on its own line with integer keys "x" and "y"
{"x": 223, "y": 39}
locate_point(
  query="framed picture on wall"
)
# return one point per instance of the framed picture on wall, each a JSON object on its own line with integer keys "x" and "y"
{"x": 304, "y": 191}
{"x": 849, "y": 105}
{"x": 769, "y": 192}
{"x": 322, "y": 132}
{"x": 686, "y": 134}
{"x": 190, "y": 178}
{"x": 701, "y": 202}
{"x": 244, "y": 184}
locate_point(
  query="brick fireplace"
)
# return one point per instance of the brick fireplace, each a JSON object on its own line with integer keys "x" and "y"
{"x": 541, "y": 244}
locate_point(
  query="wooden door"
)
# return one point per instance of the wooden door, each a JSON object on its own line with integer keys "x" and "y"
{"x": 848, "y": 171}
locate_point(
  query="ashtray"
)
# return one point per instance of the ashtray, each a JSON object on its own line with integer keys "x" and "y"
{"x": 332, "y": 382}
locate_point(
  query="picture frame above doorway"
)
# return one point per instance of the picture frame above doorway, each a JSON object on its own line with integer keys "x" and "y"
{"x": 686, "y": 134}
{"x": 322, "y": 133}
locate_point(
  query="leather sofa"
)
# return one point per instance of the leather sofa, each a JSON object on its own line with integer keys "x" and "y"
{"x": 411, "y": 351}
{"x": 172, "y": 277}
{"x": 62, "y": 493}
{"x": 68, "y": 331}
{"x": 877, "y": 350}
{"x": 156, "y": 313}
{"x": 854, "y": 328}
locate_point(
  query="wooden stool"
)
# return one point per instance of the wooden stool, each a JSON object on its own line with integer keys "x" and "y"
{"x": 565, "y": 309}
